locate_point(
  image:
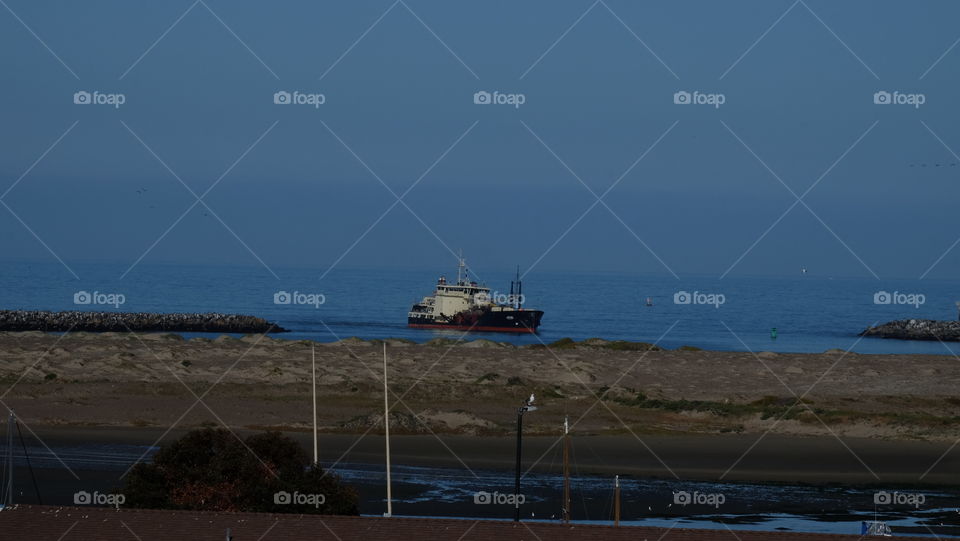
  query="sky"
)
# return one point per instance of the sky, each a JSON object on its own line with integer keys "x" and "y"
{"x": 789, "y": 163}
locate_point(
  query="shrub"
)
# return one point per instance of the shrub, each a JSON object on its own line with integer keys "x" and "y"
{"x": 212, "y": 470}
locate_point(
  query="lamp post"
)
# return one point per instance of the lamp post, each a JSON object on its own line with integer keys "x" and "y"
{"x": 524, "y": 408}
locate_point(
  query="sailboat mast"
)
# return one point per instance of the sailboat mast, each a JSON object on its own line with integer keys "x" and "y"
{"x": 566, "y": 469}
{"x": 386, "y": 428}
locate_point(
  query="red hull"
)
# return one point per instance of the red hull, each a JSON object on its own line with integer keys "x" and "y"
{"x": 472, "y": 328}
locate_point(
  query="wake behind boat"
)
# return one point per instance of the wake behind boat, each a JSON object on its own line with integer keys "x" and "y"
{"x": 469, "y": 306}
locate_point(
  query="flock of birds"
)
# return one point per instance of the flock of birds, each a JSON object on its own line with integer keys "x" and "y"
{"x": 142, "y": 191}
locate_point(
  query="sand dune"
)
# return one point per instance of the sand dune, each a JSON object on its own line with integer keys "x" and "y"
{"x": 117, "y": 379}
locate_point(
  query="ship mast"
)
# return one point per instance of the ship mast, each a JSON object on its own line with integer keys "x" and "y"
{"x": 461, "y": 268}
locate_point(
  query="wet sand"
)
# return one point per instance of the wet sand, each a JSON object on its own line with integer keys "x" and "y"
{"x": 806, "y": 484}
{"x": 773, "y": 458}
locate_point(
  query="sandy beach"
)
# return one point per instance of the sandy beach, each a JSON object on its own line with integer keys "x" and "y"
{"x": 862, "y": 418}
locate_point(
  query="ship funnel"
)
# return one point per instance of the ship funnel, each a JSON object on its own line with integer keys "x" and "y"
{"x": 518, "y": 299}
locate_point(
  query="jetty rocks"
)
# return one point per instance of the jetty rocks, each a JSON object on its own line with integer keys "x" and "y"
{"x": 917, "y": 329}
{"x": 33, "y": 320}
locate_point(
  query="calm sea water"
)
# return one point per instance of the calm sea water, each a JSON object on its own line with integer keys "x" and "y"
{"x": 810, "y": 313}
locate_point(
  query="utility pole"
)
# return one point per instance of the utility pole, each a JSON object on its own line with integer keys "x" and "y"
{"x": 527, "y": 406}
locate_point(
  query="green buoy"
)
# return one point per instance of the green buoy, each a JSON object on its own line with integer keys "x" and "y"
{"x": 773, "y": 333}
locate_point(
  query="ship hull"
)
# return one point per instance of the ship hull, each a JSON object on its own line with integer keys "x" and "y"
{"x": 455, "y": 327}
{"x": 522, "y": 321}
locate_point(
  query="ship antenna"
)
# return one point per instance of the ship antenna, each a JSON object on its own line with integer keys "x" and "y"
{"x": 460, "y": 267}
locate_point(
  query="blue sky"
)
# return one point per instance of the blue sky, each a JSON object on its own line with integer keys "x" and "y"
{"x": 706, "y": 189}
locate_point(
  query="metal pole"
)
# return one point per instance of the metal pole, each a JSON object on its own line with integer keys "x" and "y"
{"x": 386, "y": 427}
{"x": 516, "y": 486}
{"x": 566, "y": 470}
{"x": 616, "y": 502}
{"x": 26, "y": 457}
{"x": 10, "y": 422}
{"x": 313, "y": 353}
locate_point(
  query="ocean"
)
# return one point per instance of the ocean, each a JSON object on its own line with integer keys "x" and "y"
{"x": 809, "y": 313}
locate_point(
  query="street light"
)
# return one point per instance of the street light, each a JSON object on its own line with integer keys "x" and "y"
{"x": 524, "y": 408}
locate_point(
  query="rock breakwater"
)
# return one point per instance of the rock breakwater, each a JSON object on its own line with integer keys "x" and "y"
{"x": 33, "y": 320}
{"x": 917, "y": 329}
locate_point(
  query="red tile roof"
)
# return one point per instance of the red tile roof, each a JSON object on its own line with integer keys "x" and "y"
{"x": 36, "y": 522}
